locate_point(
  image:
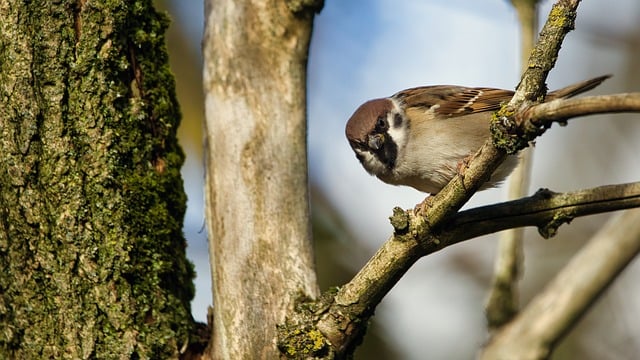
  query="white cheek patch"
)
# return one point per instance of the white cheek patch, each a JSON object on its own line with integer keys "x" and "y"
{"x": 398, "y": 134}
{"x": 370, "y": 162}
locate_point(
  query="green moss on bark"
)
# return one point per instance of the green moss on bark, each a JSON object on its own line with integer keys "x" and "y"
{"x": 92, "y": 256}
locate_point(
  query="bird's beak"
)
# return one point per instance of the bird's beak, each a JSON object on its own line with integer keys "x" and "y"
{"x": 375, "y": 141}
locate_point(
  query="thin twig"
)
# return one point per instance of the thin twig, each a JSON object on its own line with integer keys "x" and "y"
{"x": 546, "y": 210}
{"x": 563, "y": 109}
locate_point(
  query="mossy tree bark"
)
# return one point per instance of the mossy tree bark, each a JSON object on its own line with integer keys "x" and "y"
{"x": 92, "y": 256}
{"x": 257, "y": 199}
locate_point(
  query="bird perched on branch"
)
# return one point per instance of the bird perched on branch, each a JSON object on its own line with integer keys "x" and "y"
{"x": 418, "y": 137}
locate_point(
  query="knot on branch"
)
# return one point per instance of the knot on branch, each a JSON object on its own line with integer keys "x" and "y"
{"x": 544, "y": 194}
{"x": 550, "y": 229}
{"x": 512, "y": 130}
{"x": 400, "y": 221}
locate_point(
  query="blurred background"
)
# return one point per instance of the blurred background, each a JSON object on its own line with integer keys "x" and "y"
{"x": 363, "y": 49}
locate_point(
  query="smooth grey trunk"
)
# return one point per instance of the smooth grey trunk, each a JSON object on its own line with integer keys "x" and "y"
{"x": 255, "y": 55}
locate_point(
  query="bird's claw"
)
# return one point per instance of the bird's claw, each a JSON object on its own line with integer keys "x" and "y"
{"x": 421, "y": 208}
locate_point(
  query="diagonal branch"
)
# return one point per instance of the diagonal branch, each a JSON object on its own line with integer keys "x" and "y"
{"x": 560, "y": 21}
{"x": 551, "y": 314}
{"x": 502, "y": 302}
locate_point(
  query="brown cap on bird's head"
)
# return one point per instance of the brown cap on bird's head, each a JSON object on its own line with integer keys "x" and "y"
{"x": 363, "y": 120}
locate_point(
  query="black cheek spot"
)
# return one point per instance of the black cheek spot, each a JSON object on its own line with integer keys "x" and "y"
{"x": 387, "y": 155}
{"x": 397, "y": 120}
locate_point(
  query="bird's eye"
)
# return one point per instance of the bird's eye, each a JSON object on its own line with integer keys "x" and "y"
{"x": 381, "y": 124}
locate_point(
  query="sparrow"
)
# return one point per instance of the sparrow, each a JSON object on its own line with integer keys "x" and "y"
{"x": 420, "y": 136}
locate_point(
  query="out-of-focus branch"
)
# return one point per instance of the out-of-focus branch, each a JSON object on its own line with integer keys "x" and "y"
{"x": 549, "y": 316}
{"x": 502, "y": 302}
{"x": 527, "y": 11}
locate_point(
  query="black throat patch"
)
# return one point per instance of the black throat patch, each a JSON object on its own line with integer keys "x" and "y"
{"x": 388, "y": 152}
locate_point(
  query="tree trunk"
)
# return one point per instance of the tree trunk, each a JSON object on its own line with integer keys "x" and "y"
{"x": 257, "y": 199}
{"x": 92, "y": 256}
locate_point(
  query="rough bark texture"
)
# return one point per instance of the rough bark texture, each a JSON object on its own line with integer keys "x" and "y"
{"x": 257, "y": 199}
{"x": 92, "y": 258}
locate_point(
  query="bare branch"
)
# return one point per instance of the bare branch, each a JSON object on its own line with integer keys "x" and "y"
{"x": 546, "y": 210}
{"x": 560, "y": 21}
{"x": 552, "y": 313}
{"x": 563, "y": 109}
{"x": 502, "y": 302}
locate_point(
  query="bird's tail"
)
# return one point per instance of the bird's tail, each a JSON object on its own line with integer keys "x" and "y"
{"x": 575, "y": 89}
